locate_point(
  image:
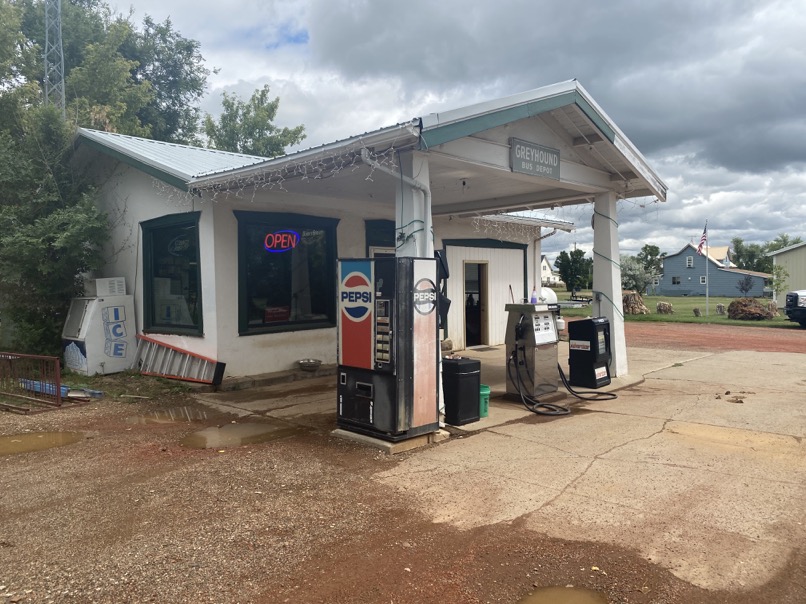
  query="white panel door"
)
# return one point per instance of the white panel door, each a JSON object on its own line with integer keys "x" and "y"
{"x": 504, "y": 271}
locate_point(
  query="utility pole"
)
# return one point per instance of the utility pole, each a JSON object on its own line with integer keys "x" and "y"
{"x": 54, "y": 56}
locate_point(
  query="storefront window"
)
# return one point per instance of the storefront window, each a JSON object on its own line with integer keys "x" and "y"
{"x": 171, "y": 275}
{"x": 287, "y": 271}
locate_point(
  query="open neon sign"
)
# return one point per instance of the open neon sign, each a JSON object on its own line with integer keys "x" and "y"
{"x": 281, "y": 241}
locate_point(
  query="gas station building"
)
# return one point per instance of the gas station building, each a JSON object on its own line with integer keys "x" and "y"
{"x": 234, "y": 257}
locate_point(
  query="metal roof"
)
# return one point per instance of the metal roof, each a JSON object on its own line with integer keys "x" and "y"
{"x": 610, "y": 159}
{"x": 788, "y": 248}
{"x": 179, "y": 164}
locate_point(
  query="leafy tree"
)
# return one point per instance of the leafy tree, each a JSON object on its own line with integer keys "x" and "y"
{"x": 778, "y": 282}
{"x": 247, "y": 127}
{"x": 651, "y": 259}
{"x": 84, "y": 22}
{"x": 103, "y": 92}
{"x": 634, "y": 275}
{"x": 174, "y": 68}
{"x": 753, "y": 256}
{"x": 166, "y": 74}
{"x": 750, "y": 256}
{"x": 744, "y": 285}
{"x": 52, "y": 230}
{"x": 781, "y": 241}
{"x": 575, "y": 270}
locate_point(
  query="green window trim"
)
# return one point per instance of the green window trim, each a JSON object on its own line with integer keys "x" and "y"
{"x": 151, "y": 324}
{"x": 247, "y": 221}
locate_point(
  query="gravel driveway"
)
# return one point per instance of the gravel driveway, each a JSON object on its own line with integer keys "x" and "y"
{"x": 129, "y": 514}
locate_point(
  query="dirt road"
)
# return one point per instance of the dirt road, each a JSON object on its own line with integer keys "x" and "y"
{"x": 689, "y": 336}
{"x": 128, "y": 514}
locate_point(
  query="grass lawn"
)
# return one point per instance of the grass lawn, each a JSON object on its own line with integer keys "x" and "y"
{"x": 683, "y": 311}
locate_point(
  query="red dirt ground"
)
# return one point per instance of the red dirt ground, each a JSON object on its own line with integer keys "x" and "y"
{"x": 691, "y": 336}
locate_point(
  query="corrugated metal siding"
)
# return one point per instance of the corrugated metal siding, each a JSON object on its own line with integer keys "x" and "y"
{"x": 794, "y": 263}
{"x": 504, "y": 269}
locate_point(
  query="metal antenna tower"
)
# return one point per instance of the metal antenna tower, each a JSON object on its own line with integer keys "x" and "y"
{"x": 54, "y": 57}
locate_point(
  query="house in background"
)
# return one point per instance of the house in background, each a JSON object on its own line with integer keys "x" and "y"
{"x": 548, "y": 277}
{"x": 684, "y": 274}
{"x": 793, "y": 260}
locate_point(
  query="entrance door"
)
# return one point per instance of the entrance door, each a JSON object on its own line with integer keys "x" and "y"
{"x": 476, "y": 326}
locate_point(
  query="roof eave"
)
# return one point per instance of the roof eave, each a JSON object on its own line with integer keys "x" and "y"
{"x": 152, "y": 168}
{"x": 439, "y": 128}
{"x": 407, "y": 132}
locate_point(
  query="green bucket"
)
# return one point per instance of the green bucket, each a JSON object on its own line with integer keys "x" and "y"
{"x": 484, "y": 400}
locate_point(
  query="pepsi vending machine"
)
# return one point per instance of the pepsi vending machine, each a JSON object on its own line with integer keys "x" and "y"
{"x": 388, "y": 347}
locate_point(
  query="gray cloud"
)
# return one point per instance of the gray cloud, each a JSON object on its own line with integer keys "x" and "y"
{"x": 711, "y": 92}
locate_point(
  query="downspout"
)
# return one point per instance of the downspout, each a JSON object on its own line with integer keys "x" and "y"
{"x": 426, "y": 191}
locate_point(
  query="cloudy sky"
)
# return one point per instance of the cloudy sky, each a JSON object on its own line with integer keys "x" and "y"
{"x": 712, "y": 92}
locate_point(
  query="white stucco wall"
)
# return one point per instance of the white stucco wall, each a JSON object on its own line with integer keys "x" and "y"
{"x": 131, "y": 197}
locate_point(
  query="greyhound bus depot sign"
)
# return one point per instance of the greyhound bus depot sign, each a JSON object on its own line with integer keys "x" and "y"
{"x": 537, "y": 160}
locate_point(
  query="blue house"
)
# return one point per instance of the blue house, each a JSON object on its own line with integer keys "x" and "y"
{"x": 684, "y": 274}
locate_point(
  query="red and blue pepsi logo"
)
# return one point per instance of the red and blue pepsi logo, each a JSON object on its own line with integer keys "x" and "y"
{"x": 356, "y": 296}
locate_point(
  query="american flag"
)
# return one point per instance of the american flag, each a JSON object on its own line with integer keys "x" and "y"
{"x": 703, "y": 239}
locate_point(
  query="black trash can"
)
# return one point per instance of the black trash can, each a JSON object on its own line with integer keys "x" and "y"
{"x": 461, "y": 379}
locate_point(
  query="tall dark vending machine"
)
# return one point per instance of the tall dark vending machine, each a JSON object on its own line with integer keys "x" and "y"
{"x": 589, "y": 352}
{"x": 388, "y": 347}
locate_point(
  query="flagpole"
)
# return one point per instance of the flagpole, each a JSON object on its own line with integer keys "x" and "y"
{"x": 707, "y": 262}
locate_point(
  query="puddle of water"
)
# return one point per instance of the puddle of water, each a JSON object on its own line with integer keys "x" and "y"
{"x": 235, "y": 435}
{"x": 169, "y": 416}
{"x": 563, "y": 595}
{"x": 36, "y": 441}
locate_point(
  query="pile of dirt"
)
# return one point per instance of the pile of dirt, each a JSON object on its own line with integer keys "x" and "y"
{"x": 748, "y": 309}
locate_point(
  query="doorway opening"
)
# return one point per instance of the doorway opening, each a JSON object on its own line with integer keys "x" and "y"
{"x": 476, "y": 325}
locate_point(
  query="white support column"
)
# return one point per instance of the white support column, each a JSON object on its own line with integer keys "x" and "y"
{"x": 607, "y": 277}
{"x": 537, "y": 268}
{"x": 412, "y": 213}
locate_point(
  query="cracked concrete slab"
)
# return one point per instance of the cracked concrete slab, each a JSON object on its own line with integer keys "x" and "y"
{"x": 699, "y": 464}
{"x": 711, "y": 488}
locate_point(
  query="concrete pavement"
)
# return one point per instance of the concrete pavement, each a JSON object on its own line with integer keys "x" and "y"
{"x": 699, "y": 465}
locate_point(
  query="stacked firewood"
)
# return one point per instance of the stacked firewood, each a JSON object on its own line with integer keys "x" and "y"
{"x": 633, "y": 304}
{"x": 664, "y": 308}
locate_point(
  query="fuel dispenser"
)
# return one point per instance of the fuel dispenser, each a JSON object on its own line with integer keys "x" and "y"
{"x": 388, "y": 347}
{"x": 589, "y": 352}
{"x": 531, "y": 342}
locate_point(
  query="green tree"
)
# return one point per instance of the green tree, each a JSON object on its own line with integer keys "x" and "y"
{"x": 778, "y": 282}
{"x": 102, "y": 90}
{"x": 651, "y": 259}
{"x": 634, "y": 274}
{"x": 750, "y": 256}
{"x": 84, "y": 22}
{"x": 744, "y": 285}
{"x": 248, "y": 127}
{"x": 174, "y": 68}
{"x": 52, "y": 230}
{"x": 575, "y": 270}
{"x": 150, "y": 84}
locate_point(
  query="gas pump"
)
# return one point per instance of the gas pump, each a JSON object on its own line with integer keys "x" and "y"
{"x": 388, "y": 343}
{"x": 531, "y": 342}
{"x": 532, "y": 335}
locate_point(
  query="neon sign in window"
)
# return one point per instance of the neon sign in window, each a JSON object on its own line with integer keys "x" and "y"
{"x": 281, "y": 241}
